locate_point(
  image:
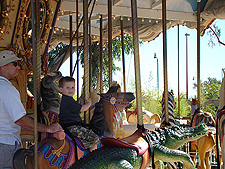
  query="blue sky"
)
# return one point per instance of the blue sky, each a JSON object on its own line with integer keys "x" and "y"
{"x": 211, "y": 61}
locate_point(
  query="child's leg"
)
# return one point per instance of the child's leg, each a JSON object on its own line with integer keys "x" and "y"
{"x": 93, "y": 148}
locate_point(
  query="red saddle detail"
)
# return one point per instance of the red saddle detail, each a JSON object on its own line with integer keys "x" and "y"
{"x": 135, "y": 141}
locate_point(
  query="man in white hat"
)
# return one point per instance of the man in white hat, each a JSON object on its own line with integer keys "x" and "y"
{"x": 12, "y": 112}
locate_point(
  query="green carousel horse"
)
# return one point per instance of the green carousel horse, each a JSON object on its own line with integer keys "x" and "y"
{"x": 57, "y": 154}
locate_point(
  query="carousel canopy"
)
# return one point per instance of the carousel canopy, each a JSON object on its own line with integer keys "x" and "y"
{"x": 149, "y": 13}
{"x": 16, "y": 29}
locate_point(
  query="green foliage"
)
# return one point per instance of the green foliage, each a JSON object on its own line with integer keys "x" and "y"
{"x": 185, "y": 108}
{"x": 210, "y": 89}
{"x": 214, "y": 33}
{"x": 54, "y": 52}
{"x": 150, "y": 101}
{"x": 210, "y": 108}
{"x": 116, "y": 56}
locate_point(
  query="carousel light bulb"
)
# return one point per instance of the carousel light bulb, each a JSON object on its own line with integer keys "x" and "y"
{"x": 156, "y": 21}
{"x": 143, "y": 19}
{"x": 150, "y": 20}
{"x": 128, "y": 18}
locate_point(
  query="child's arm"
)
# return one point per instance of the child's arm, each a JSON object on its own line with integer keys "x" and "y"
{"x": 86, "y": 106}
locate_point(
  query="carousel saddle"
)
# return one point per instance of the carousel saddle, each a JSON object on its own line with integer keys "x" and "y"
{"x": 135, "y": 141}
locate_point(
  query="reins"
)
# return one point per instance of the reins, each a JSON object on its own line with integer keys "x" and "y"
{"x": 148, "y": 139}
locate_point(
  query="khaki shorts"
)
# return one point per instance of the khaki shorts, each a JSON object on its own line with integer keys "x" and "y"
{"x": 86, "y": 136}
{"x": 6, "y": 155}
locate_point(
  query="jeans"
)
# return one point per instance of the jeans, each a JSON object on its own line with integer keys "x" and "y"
{"x": 6, "y": 155}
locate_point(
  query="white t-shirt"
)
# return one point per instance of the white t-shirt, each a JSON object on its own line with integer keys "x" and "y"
{"x": 11, "y": 109}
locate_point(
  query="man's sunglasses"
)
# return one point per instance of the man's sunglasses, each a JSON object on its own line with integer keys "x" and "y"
{"x": 15, "y": 63}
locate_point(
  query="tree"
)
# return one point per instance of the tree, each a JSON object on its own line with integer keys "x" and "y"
{"x": 214, "y": 32}
{"x": 54, "y": 52}
{"x": 116, "y": 56}
{"x": 210, "y": 89}
{"x": 185, "y": 108}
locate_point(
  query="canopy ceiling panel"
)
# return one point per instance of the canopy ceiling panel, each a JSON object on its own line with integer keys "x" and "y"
{"x": 149, "y": 12}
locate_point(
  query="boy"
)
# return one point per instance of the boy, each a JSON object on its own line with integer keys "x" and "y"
{"x": 69, "y": 115}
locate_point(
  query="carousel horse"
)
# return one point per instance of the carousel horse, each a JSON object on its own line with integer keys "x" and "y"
{"x": 220, "y": 122}
{"x": 51, "y": 104}
{"x": 205, "y": 144}
{"x": 54, "y": 153}
{"x": 148, "y": 117}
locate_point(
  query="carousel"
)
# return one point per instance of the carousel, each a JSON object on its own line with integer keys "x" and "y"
{"x": 32, "y": 28}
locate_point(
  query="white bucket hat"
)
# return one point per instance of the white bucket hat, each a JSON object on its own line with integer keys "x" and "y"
{"x": 7, "y": 56}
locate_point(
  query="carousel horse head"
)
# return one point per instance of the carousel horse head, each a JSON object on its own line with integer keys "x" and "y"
{"x": 50, "y": 91}
{"x": 109, "y": 109}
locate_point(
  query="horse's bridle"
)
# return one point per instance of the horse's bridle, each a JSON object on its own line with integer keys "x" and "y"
{"x": 112, "y": 100}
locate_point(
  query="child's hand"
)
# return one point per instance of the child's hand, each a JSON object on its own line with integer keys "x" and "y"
{"x": 88, "y": 101}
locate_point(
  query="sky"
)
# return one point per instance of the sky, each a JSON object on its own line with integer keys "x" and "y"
{"x": 212, "y": 61}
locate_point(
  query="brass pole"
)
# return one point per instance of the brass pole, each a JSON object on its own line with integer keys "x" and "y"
{"x": 86, "y": 62}
{"x": 178, "y": 70}
{"x": 71, "y": 40}
{"x": 123, "y": 58}
{"x": 101, "y": 43}
{"x": 110, "y": 40}
{"x": 136, "y": 61}
{"x": 165, "y": 61}
{"x": 90, "y": 58}
{"x": 198, "y": 54}
{"x": 36, "y": 45}
{"x": 77, "y": 34}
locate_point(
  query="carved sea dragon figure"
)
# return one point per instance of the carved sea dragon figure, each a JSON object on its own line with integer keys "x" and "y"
{"x": 132, "y": 152}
